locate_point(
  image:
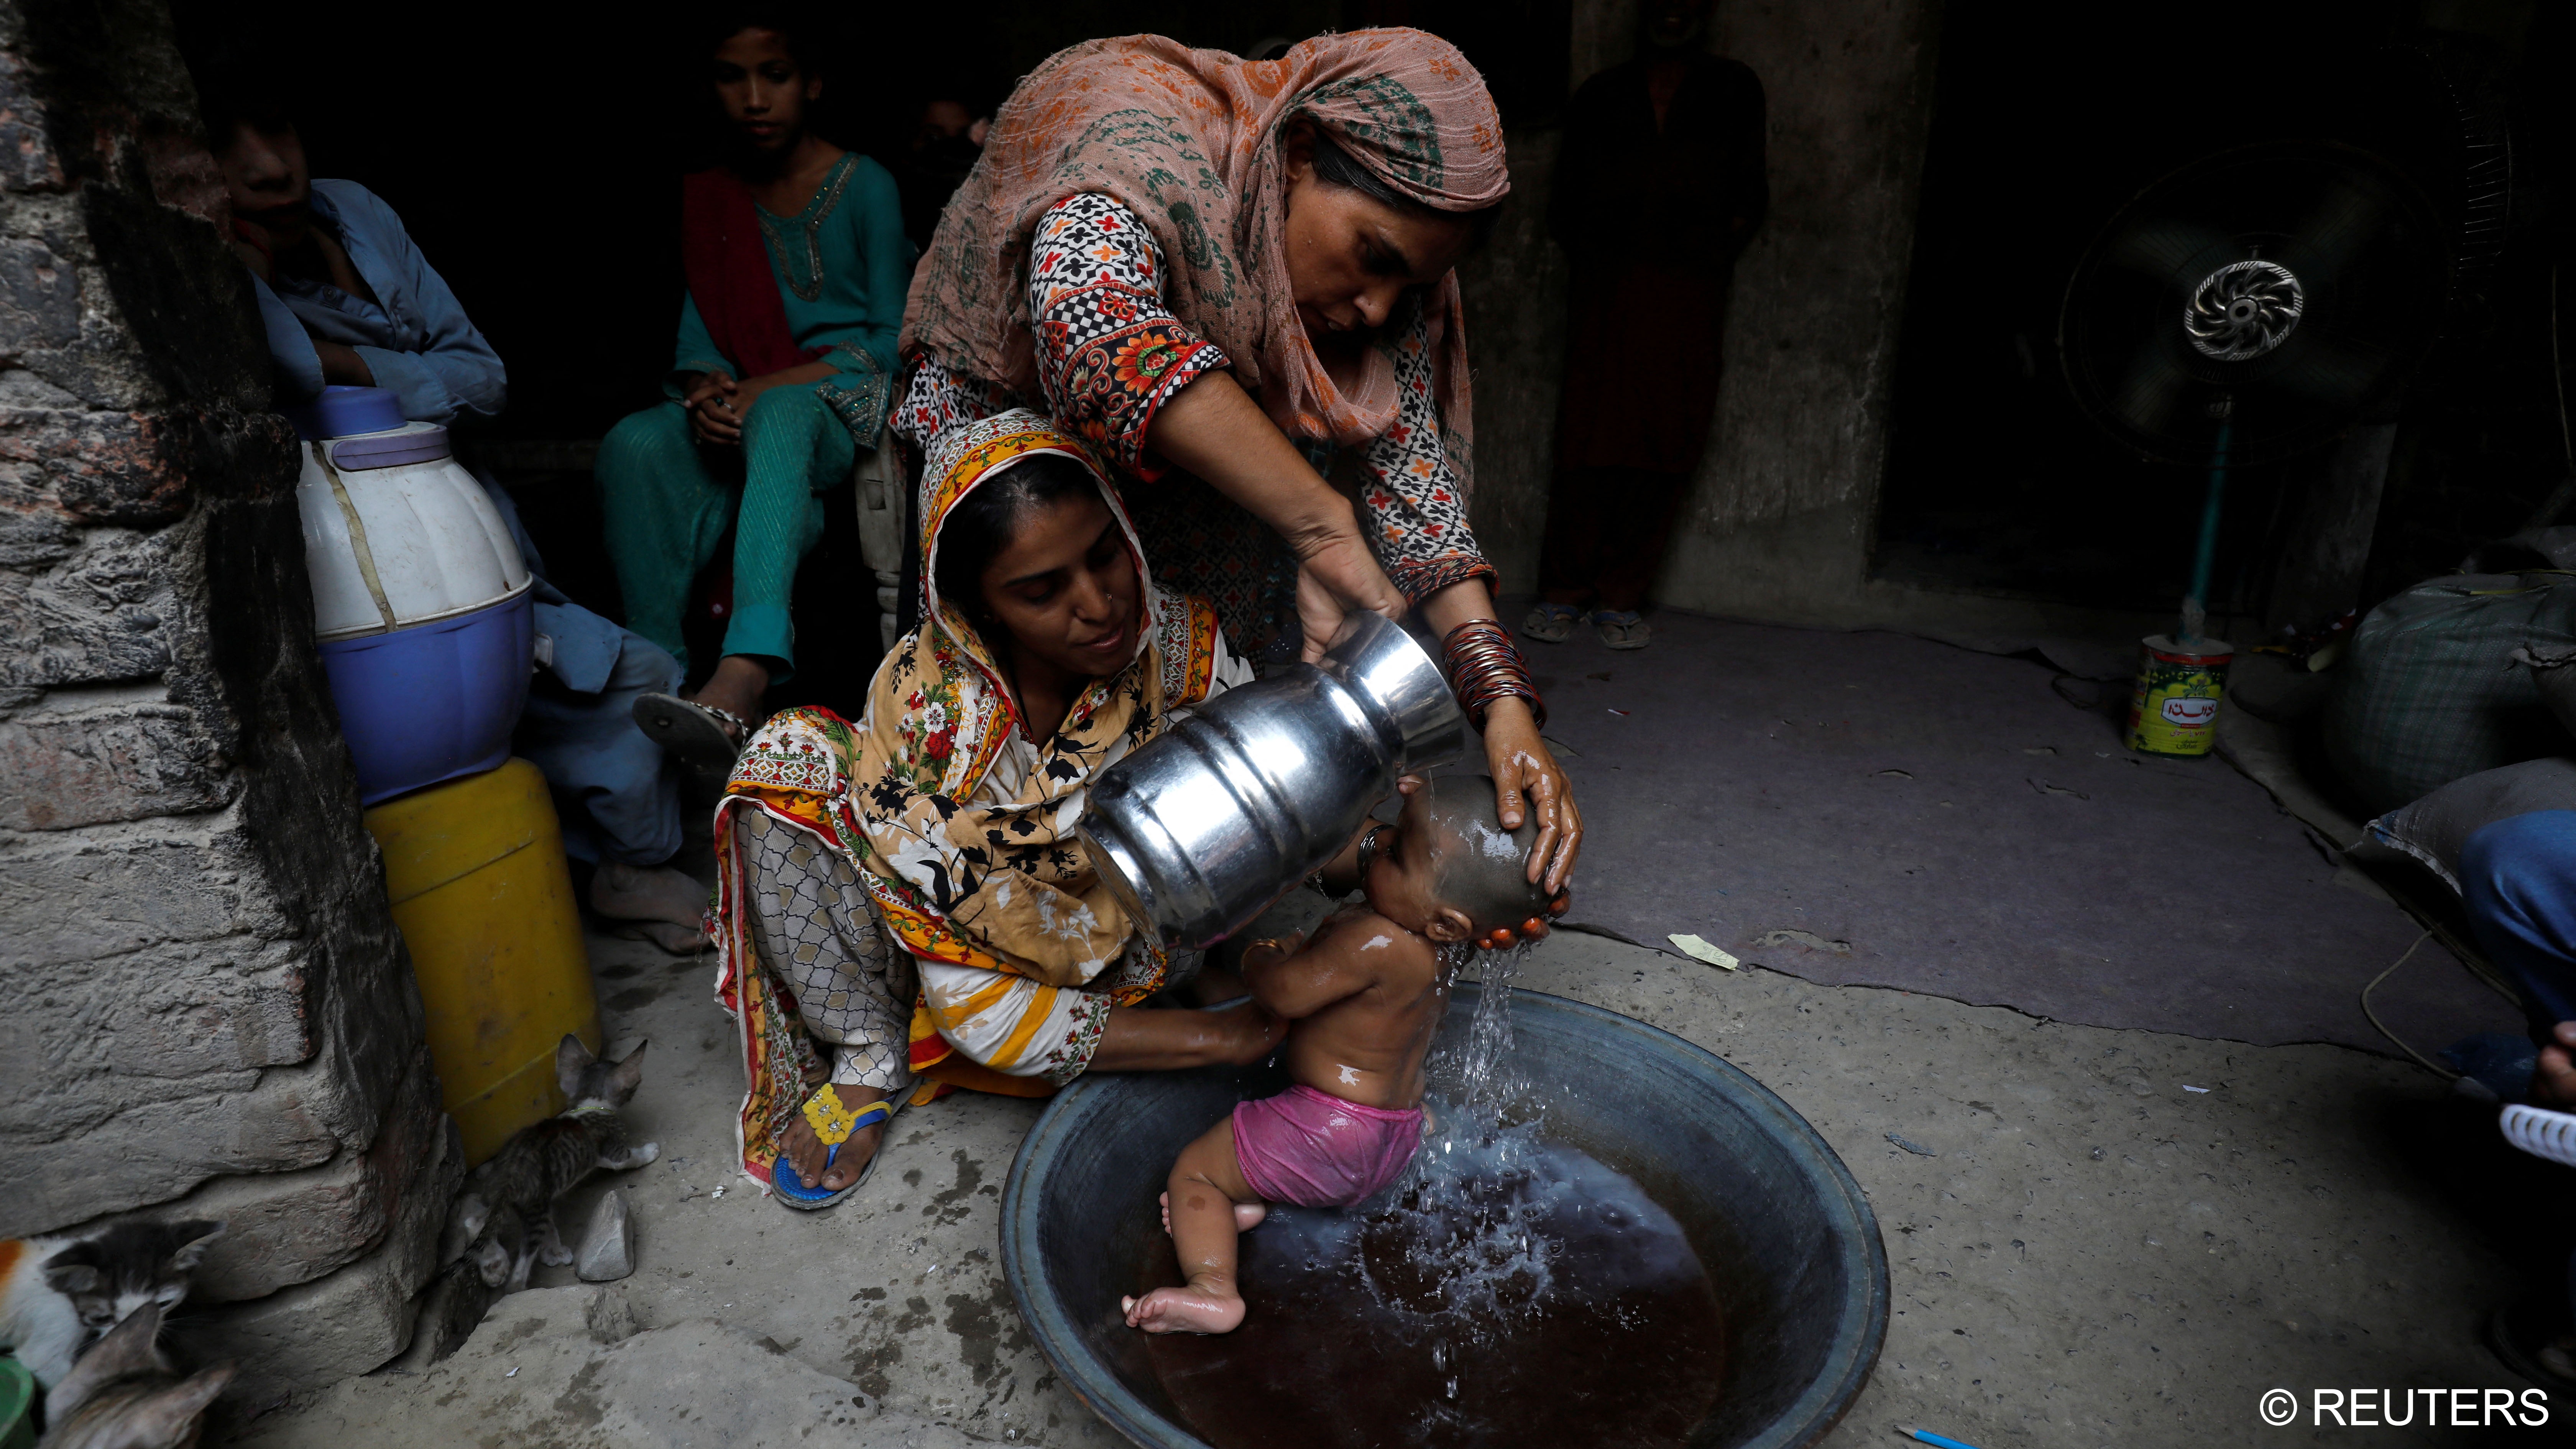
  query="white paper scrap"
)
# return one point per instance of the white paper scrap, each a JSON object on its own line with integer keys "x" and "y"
{"x": 1699, "y": 950}
{"x": 2195, "y": 1089}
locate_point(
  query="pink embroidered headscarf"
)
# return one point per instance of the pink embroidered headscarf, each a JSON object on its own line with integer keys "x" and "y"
{"x": 1189, "y": 141}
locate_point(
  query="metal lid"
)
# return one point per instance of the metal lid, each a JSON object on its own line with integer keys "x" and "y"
{"x": 409, "y": 443}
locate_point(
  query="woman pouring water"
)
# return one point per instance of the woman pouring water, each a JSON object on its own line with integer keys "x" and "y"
{"x": 1232, "y": 278}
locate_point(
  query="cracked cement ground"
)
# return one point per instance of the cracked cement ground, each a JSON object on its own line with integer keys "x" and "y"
{"x": 2092, "y": 1253}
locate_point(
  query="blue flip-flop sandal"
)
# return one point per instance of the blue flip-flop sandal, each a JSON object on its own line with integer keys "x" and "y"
{"x": 835, "y": 1125}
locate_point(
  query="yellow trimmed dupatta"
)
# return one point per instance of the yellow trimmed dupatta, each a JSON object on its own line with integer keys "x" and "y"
{"x": 961, "y": 827}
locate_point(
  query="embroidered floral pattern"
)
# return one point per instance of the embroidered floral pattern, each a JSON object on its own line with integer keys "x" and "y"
{"x": 1109, "y": 352}
{"x": 1413, "y": 509}
{"x": 857, "y": 392}
{"x": 799, "y": 257}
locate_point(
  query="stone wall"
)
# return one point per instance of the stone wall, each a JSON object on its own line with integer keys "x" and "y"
{"x": 204, "y": 1007}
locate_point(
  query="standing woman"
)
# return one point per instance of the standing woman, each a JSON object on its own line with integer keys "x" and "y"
{"x": 796, "y": 264}
{"x": 1232, "y": 277}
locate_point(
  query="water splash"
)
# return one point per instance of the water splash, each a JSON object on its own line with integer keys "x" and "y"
{"x": 1458, "y": 1234}
{"x": 1479, "y": 1067}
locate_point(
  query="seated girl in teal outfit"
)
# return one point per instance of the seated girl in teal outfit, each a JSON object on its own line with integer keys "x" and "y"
{"x": 797, "y": 267}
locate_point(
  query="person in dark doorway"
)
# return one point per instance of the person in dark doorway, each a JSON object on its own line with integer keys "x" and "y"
{"x": 1659, "y": 183}
{"x": 347, "y": 298}
{"x": 946, "y": 138}
{"x": 796, "y": 264}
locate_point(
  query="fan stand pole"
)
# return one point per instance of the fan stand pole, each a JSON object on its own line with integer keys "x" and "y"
{"x": 2195, "y": 605}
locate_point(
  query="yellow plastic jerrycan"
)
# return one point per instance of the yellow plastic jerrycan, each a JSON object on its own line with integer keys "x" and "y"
{"x": 475, "y": 869}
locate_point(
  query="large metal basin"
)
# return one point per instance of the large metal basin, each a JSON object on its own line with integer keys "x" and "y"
{"x": 1784, "y": 1231}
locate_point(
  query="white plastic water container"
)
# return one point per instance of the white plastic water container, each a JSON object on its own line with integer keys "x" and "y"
{"x": 420, "y": 599}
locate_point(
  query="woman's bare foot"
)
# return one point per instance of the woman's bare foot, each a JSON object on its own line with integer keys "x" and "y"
{"x": 807, "y": 1153}
{"x": 1247, "y": 1215}
{"x": 623, "y": 892}
{"x": 1191, "y": 1308}
{"x": 736, "y": 688}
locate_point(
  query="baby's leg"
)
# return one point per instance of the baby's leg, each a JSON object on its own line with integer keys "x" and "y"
{"x": 1205, "y": 1186}
{"x": 1247, "y": 1215}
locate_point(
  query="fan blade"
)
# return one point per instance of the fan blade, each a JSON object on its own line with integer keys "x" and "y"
{"x": 2333, "y": 373}
{"x": 2148, "y": 393}
{"x": 2338, "y": 225}
{"x": 2166, "y": 249}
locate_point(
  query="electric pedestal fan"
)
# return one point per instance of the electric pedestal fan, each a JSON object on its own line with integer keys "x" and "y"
{"x": 2251, "y": 306}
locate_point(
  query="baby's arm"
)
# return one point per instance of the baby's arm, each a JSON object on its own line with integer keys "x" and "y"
{"x": 1298, "y": 980}
{"x": 1341, "y": 875}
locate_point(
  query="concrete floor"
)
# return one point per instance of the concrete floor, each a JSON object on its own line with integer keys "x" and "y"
{"x": 2095, "y": 1256}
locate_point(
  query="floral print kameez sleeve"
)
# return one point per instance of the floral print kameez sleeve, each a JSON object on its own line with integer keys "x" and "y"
{"x": 1412, "y": 509}
{"x": 1109, "y": 352}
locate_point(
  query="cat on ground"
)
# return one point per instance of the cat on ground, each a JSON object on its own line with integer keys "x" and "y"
{"x": 56, "y": 1294}
{"x": 506, "y": 1215}
{"x": 123, "y": 1393}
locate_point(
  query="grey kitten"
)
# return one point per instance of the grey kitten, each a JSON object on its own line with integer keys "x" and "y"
{"x": 57, "y": 1294}
{"x": 123, "y": 1393}
{"x": 506, "y": 1216}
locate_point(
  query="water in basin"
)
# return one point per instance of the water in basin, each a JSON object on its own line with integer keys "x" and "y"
{"x": 1510, "y": 1290}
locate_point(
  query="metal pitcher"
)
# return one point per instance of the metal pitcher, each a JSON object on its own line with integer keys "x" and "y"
{"x": 1237, "y": 801}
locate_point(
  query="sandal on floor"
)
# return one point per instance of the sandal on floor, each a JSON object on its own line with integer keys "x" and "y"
{"x": 833, "y": 1123}
{"x": 1550, "y": 623}
{"x": 694, "y": 734}
{"x": 2530, "y": 1338}
{"x": 1622, "y": 629}
{"x": 672, "y": 937}
{"x": 2541, "y": 1132}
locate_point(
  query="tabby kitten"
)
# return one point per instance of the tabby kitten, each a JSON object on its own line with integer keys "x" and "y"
{"x": 57, "y": 1294}
{"x": 123, "y": 1394}
{"x": 508, "y": 1206}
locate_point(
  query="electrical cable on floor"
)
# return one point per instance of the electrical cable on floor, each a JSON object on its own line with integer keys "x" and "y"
{"x": 2429, "y": 1065}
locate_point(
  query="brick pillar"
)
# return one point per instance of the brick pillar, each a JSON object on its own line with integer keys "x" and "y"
{"x": 204, "y": 1006}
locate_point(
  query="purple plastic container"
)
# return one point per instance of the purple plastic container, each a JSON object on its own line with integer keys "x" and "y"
{"x": 434, "y": 701}
{"x": 340, "y": 410}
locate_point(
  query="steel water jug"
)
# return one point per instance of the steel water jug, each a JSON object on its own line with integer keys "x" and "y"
{"x": 1237, "y": 801}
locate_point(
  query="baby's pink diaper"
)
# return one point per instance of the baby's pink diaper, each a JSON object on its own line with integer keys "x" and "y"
{"x": 1315, "y": 1150}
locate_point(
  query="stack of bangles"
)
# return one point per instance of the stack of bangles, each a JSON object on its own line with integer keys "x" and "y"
{"x": 1483, "y": 665}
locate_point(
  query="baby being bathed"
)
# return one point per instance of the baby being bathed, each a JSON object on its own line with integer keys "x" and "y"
{"x": 1364, "y": 995}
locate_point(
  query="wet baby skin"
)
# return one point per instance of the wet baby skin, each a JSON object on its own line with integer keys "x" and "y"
{"x": 1364, "y": 996}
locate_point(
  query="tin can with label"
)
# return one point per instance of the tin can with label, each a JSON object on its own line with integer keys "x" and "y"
{"x": 2174, "y": 710}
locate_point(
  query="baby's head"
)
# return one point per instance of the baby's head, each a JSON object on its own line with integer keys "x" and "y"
{"x": 1450, "y": 871}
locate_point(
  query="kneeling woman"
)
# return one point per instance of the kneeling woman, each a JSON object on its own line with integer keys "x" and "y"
{"x": 909, "y": 895}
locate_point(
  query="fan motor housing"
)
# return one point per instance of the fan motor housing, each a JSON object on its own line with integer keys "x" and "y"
{"x": 2243, "y": 310}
